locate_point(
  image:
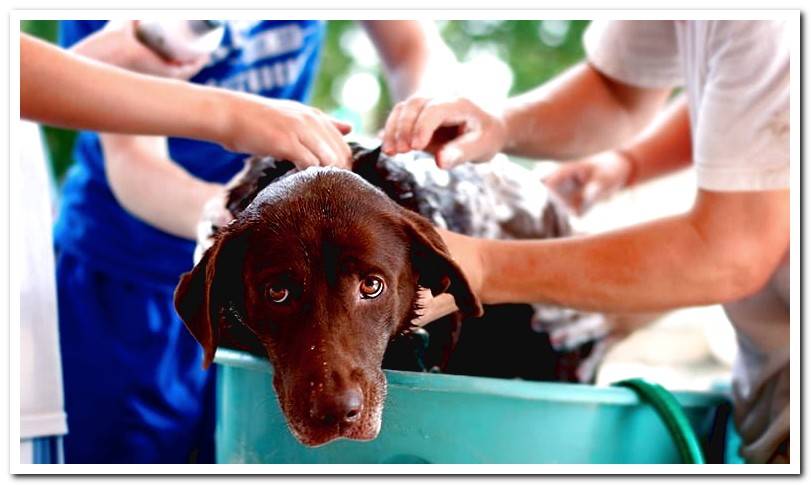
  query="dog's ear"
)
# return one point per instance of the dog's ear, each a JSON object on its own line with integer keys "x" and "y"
{"x": 211, "y": 288}
{"x": 436, "y": 269}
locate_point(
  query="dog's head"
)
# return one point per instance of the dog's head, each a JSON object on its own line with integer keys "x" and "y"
{"x": 324, "y": 269}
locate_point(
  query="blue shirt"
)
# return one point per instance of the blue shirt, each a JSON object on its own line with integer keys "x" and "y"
{"x": 276, "y": 59}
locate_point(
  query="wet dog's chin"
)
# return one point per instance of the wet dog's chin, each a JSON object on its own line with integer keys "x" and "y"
{"x": 312, "y": 434}
{"x": 314, "y": 437}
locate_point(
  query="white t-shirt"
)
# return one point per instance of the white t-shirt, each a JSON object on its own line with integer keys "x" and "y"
{"x": 736, "y": 75}
{"x": 41, "y": 404}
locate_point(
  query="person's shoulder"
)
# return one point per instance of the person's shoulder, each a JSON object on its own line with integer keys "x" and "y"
{"x": 634, "y": 30}
{"x": 641, "y": 53}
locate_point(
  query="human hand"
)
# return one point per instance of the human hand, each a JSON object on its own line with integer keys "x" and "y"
{"x": 584, "y": 182}
{"x": 213, "y": 216}
{"x": 117, "y": 44}
{"x": 468, "y": 253}
{"x": 285, "y": 130}
{"x": 454, "y": 131}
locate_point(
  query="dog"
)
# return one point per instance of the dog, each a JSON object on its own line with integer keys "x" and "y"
{"x": 320, "y": 270}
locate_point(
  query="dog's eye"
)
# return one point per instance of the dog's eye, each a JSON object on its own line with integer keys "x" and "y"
{"x": 371, "y": 287}
{"x": 277, "y": 294}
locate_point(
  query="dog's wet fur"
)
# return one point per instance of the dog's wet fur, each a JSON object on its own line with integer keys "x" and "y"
{"x": 316, "y": 237}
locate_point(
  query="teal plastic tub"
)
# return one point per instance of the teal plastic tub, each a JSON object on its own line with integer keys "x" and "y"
{"x": 435, "y": 418}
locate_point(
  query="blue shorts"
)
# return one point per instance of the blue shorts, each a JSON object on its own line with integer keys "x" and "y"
{"x": 135, "y": 390}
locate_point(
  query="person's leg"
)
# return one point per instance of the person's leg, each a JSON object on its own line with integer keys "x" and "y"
{"x": 135, "y": 391}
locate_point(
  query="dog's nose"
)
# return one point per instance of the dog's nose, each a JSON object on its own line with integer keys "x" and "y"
{"x": 351, "y": 404}
{"x": 341, "y": 406}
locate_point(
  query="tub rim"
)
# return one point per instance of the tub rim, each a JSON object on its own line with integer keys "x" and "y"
{"x": 493, "y": 386}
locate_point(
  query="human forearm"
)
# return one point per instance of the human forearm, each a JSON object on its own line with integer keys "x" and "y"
{"x": 152, "y": 187}
{"x": 413, "y": 54}
{"x": 616, "y": 272}
{"x": 722, "y": 250}
{"x": 578, "y": 113}
{"x": 150, "y": 103}
{"x": 663, "y": 147}
{"x": 100, "y": 97}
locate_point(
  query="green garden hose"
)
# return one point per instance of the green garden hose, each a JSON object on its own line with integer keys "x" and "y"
{"x": 672, "y": 414}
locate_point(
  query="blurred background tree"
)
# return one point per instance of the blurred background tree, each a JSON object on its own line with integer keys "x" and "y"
{"x": 499, "y": 56}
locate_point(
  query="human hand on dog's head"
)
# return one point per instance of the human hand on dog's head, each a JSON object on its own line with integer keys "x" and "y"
{"x": 283, "y": 129}
{"x": 467, "y": 253}
{"x": 214, "y": 215}
{"x": 454, "y": 131}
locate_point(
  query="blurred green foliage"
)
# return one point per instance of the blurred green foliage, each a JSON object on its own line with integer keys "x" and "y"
{"x": 534, "y": 50}
{"x": 517, "y": 42}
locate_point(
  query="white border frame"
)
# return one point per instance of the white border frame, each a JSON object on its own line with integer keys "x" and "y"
{"x": 14, "y": 263}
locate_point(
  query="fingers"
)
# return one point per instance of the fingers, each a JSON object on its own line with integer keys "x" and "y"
{"x": 591, "y": 194}
{"x": 286, "y": 130}
{"x": 389, "y": 131}
{"x": 583, "y": 183}
{"x": 185, "y": 70}
{"x": 458, "y": 150}
{"x": 411, "y": 127}
{"x": 417, "y": 122}
{"x": 195, "y": 66}
{"x": 323, "y": 152}
{"x": 407, "y": 118}
{"x": 431, "y": 118}
{"x": 455, "y": 131}
{"x": 342, "y": 126}
{"x": 399, "y": 131}
{"x": 570, "y": 183}
{"x": 138, "y": 57}
{"x": 301, "y": 155}
{"x": 334, "y": 137}
{"x": 317, "y": 134}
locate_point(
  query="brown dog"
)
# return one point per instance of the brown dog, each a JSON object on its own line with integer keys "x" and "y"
{"x": 320, "y": 272}
{"x": 324, "y": 269}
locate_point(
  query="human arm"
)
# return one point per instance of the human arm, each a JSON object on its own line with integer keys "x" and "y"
{"x": 418, "y": 64}
{"x": 149, "y": 185}
{"x": 578, "y": 113}
{"x": 663, "y": 147}
{"x": 139, "y": 169}
{"x": 723, "y": 249}
{"x": 93, "y": 95}
{"x": 729, "y": 243}
{"x": 409, "y": 50}
{"x": 401, "y": 47}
